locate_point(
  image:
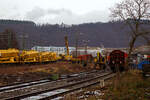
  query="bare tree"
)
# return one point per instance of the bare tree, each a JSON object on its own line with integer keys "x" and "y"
{"x": 134, "y": 13}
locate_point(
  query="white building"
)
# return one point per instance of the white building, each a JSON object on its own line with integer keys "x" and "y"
{"x": 90, "y": 50}
{"x": 72, "y": 50}
{"x": 58, "y": 50}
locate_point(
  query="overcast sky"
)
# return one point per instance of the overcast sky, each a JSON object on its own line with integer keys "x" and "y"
{"x": 57, "y": 11}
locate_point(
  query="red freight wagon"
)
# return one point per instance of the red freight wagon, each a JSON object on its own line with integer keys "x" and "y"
{"x": 117, "y": 59}
{"x": 88, "y": 57}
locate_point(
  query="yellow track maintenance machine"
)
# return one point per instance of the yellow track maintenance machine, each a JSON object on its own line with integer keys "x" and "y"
{"x": 67, "y": 56}
{"x": 44, "y": 57}
{"x": 47, "y": 57}
{"x": 30, "y": 56}
{"x": 9, "y": 56}
{"x": 53, "y": 57}
{"x": 100, "y": 60}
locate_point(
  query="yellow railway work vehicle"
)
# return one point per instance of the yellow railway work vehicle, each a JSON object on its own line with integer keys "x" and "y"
{"x": 58, "y": 57}
{"x": 100, "y": 60}
{"x": 53, "y": 56}
{"x": 9, "y": 56}
{"x": 45, "y": 56}
{"x": 67, "y": 56}
{"x": 30, "y": 56}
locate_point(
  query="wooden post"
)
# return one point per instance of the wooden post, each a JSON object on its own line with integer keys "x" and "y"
{"x": 102, "y": 83}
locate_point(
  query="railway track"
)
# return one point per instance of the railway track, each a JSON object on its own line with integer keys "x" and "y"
{"x": 10, "y": 87}
{"x": 9, "y": 92}
{"x": 19, "y": 85}
{"x": 69, "y": 88}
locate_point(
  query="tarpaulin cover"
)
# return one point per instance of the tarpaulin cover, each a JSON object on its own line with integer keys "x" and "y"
{"x": 143, "y": 62}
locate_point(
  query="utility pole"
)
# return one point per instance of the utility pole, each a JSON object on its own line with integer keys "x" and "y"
{"x": 85, "y": 44}
{"x": 76, "y": 45}
{"x": 77, "y": 40}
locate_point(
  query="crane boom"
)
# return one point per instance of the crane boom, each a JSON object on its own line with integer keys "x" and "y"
{"x": 66, "y": 43}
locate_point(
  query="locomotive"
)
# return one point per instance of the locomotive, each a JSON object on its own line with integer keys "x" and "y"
{"x": 117, "y": 60}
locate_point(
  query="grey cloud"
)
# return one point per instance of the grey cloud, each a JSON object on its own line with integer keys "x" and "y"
{"x": 59, "y": 11}
{"x": 35, "y": 13}
{"x": 94, "y": 16}
{"x": 39, "y": 13}
{"x": 64, "y": 15}
{"x": 13, "y": 14}
{"x": 16, "y": 16}
{"x": 15, "y": 7}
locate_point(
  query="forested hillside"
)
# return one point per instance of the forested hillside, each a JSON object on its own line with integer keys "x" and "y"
{"x": 28, "y": 34}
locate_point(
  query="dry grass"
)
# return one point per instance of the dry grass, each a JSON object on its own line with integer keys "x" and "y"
{"x": 49, "y": 68}
{"x": 10, "y": 74}
{"x": 131, "y": 86}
